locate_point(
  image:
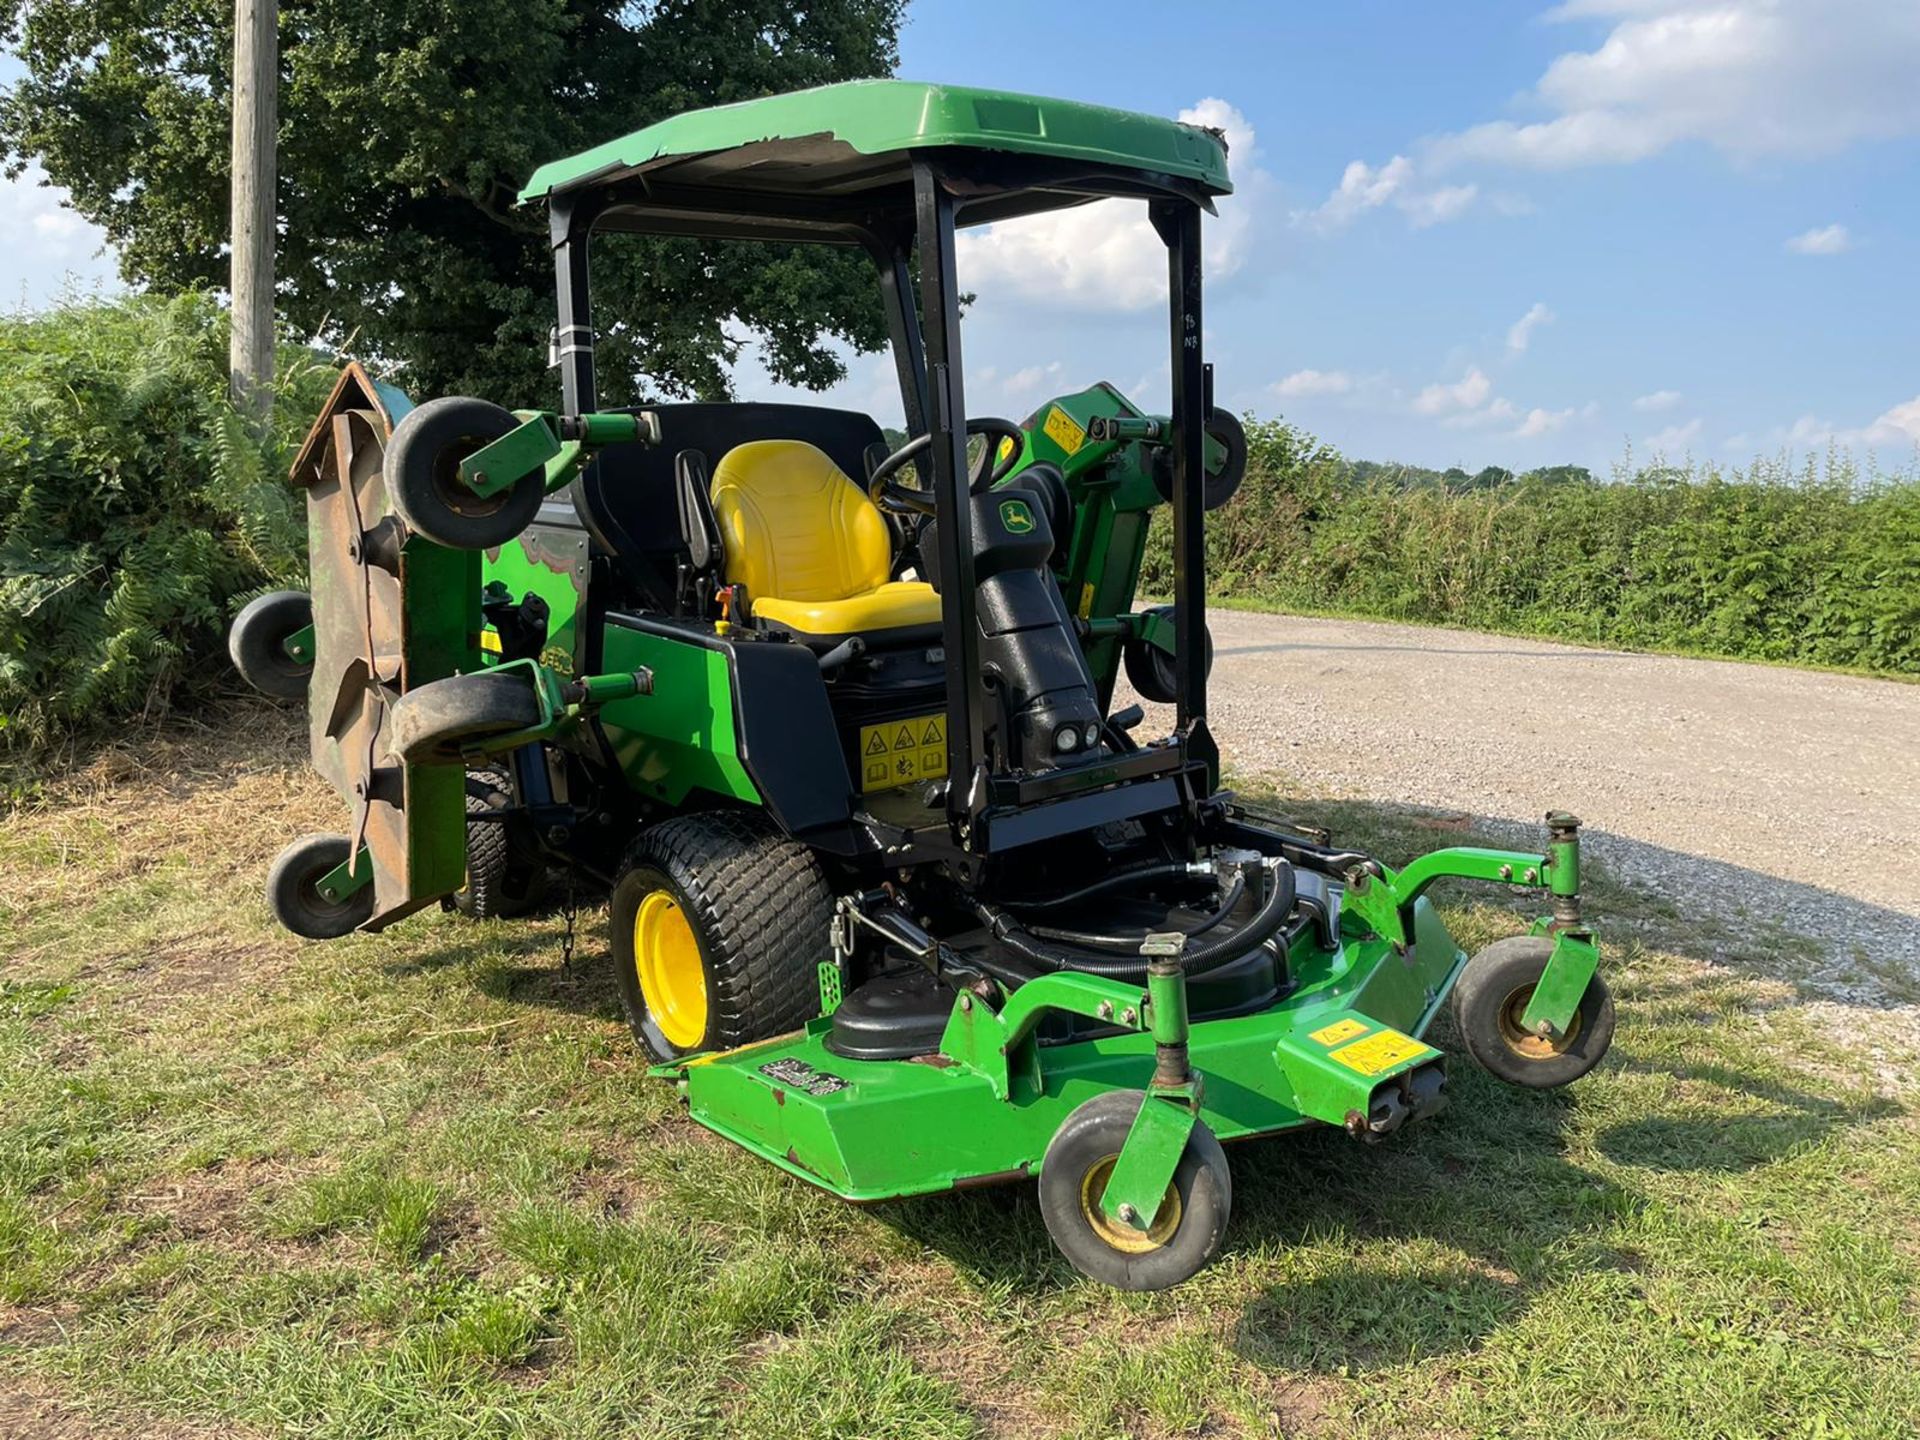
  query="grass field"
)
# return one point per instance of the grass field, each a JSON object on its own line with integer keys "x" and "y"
{"x": 417, "y": 1185}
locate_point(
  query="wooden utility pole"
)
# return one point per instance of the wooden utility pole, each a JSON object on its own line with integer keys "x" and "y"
{"x": 256, "y": 84}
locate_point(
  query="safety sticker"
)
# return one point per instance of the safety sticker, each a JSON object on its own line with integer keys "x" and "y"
{"x": 903, "y": 752}
{"x": 799, "y": 1075}
{"x": 1064, "y": 430}
{"x": 1380, "y": 1051}
{"x": 1340, "y": 1030}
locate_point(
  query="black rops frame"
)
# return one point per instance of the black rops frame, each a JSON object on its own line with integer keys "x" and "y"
{"x": 929, "y": 371}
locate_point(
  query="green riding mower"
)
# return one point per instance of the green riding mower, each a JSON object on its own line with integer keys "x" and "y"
{"x": 899, "y": 900}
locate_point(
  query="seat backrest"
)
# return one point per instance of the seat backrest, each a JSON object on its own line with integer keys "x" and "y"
{"x": 794, "y": 526}
{"x": 626, "y": 497}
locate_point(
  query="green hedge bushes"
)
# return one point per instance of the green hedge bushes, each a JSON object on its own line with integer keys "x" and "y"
{"x": 1819, "y": 565}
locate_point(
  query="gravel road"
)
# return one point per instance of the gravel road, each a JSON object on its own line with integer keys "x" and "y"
{"x": 1775, "y": 799}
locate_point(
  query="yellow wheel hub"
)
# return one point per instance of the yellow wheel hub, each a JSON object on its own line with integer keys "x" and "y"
{"x": 1113, "y": 1233}
{"x": 672, "y": 981}
{"x": 1524, "y": 1042}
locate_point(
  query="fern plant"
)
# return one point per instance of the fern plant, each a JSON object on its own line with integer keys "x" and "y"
{"x": 138, "y": 509}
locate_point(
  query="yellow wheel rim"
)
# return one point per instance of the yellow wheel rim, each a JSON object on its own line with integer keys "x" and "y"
{"x": 666, "y": 956}
{"x": 1114, "y": 1234}
{"x": 1522, "y": 1041}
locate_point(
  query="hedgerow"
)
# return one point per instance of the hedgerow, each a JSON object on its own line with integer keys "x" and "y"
{"x": 1818, "y": 564}
{"x": 138, "y": 509}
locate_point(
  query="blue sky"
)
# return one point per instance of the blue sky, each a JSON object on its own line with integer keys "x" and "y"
{"x": 1708, "y": 208}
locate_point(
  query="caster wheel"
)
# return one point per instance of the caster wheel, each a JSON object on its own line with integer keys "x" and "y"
{"x": 257, "y": 643}
{"x": 422, "y": 470}
{"x": 1150, "y": 670}
{"x": 437, "y": 723}
{"x": 1224, "y": 475}
{"x": 293, "y": 890}
{"x": 1491, "y": 995}
{"x": 1185, "y": 1235}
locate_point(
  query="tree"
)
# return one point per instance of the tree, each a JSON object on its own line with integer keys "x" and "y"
{"x": 405, "y": 130}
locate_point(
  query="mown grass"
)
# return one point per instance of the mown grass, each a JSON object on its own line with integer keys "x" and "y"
{"x": 417, "y": 1185}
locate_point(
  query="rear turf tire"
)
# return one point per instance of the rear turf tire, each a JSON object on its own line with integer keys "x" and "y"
{"x": 293, "y": 890}
{"x": 1488, "y": 999}
{"x": 755, "y": 908}
{"x": 1185, "y": 1235}
{"x": 501, "y": 883}
{"x": 257, "y": 643}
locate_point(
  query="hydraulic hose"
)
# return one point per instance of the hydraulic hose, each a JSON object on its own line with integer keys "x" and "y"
{"x": 1163, "y": 870}
{"x": 1130, "y": 944}
{"x": 1265, "y": 923}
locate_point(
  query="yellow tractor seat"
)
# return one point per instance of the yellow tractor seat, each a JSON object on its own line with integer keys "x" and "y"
{"x": 812, "y": 551}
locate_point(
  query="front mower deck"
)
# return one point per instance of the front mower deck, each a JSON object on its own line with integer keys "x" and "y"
{"x": 878, "y": 1129}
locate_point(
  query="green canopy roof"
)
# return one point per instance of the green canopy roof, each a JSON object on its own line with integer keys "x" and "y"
{"x": 853, "y": 138}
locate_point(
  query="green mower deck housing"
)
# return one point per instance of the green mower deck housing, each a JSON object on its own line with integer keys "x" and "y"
{"x": 898, "y": 898}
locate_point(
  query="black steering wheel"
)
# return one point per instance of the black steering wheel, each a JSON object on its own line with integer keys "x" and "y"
{"x": 987, "y": 470}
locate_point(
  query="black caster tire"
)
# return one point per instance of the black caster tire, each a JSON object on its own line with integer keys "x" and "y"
{"x": 1223, "y": 482}
{"x": 422, "y": 470}
{"x": 1185, "y": 1235}
{"x": 1489, "y": 998}
{"x": 294, "y": 896}
{"x": 437, "y": 723}
{"x": 1150, "y": 670}
{"x": 257, "y": 643}
{"x": 501, "y": 883}
{"x": 720, "y": 923}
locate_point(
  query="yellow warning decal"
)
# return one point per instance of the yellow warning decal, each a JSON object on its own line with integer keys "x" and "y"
{"x": 1086, "y": 600}
{"x": 902, "y": 752}
{"x": 1064, "y": 430}
{"x": 490, "y": 641}
{"x": 1338, "y": 1031}
{"x": 1380, "y": 1051}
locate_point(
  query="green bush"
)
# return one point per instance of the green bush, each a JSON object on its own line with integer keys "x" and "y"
{"x": 137, "y": 508}
{"x": 1818, "y": 565}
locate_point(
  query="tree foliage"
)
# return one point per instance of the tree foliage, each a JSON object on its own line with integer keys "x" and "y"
{"x": 136, "y": 508}
{"x": 405, "y": 131}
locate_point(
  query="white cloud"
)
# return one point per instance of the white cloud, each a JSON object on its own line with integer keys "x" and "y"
{"x": 1750, "y": 78}
{"x": 1674, "y": 437}
{"x": 1521, "y": 333}
{"x": 1312, "y": 382}
{"x": 1659, "y": 400}
{"x": 1466, "y": 394}
{"x": 1901, "y": 423}
{"x": 1826, "y": 240}
{"x": 1363, "y": 188}
{"x": 1106, "y": 256}
{"x": 44, "y": 244}
{"x": 1543, "y": 422}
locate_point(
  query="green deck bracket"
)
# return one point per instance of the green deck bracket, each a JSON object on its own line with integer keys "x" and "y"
{"x": 978, "y": 1038}
{"x": 1138, "y": 1185}
{"x": 1570, "y": 969}
{"x": 1334, "y": 1068}
{"x": 563, "y": 701}
{"x": 299, "y": 645}
{"x": 557, "y": 447}
{"x": 500, "y": 465}
{"x": 349, "y": 877}
{"x": 1379, "y": 900}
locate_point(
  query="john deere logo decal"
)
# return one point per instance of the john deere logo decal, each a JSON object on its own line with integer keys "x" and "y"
{"x": 1015, "y": 515}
